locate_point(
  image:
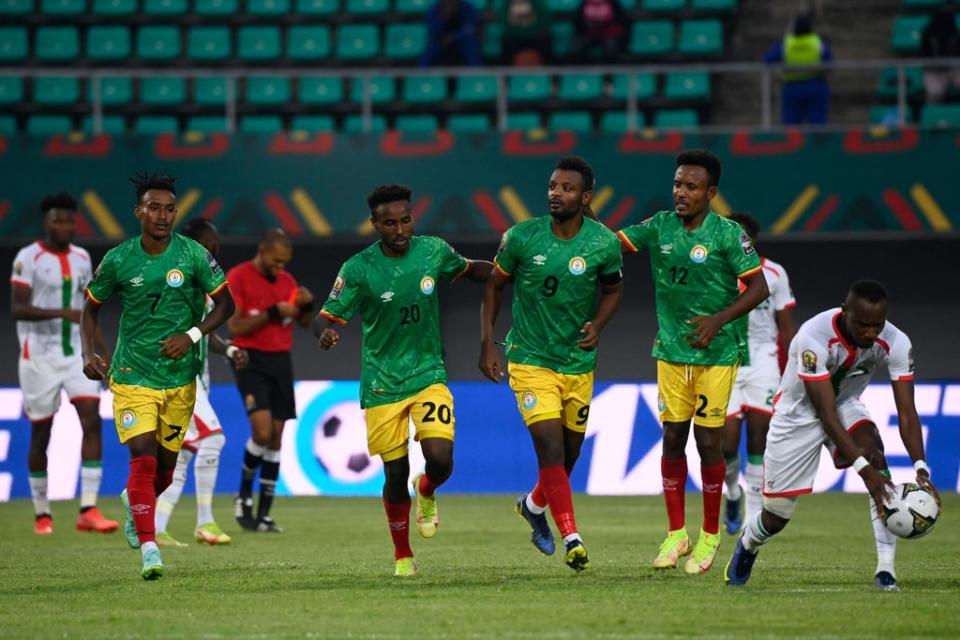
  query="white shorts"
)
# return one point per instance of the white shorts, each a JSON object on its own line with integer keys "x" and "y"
{"x": 754, "y": 389}
{"x": 792, "y": 456}
{"x": 42, "y": 378}
{"x": 204, "y": 422}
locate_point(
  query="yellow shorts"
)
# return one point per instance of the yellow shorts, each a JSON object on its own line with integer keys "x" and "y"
{"x": 544, "y": 394}
{"x": 166, "y": 412}
{"x": 700, "y": 392}
{"x": 388, "y": 425}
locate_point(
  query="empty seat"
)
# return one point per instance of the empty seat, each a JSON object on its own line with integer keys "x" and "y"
{"x": 416, "y": 123}
{"x": 354, "y": 123}
{"x": 317, "y": 7}
{"x": 618, "y": 122}
{"x": 258, "y": 44}
{"x": 56, "y": 90}
{"x": 523, "y": 88}
{"x": 412, "y": 6}
{"x": 210, "y": 91}
{"x": 381, "y": 90}
{"x": 15, "y": 7}
{"x": 320, "y": 90}
{"x": 164, "y": 7}
{"x": 209, "y": 44}
{"x": 263, "y": 90}
{"x": 268, "y": 7}
{"x": 308, "y": 42}
{"x": 158, "y": 43}
{"x": 108, "y": 43}
{"x": 578, "y": 121}
{"x": 11, "y": 90}
{"x": 207, "y": 124}
{"x": 163, "y": 91}
{"x": 906, "y": 33}
{"x": 580, "y": 86}
{"x": 114, "y": 7}
{"x": 676, "y": 119}
{"x": 523, "y": 121}
{"x": 215, "y": 7}
{"x": 404, "y": 41}
{"x": 113, "y": 91}
{"x": 261, "y": 124}
{"x": 155, "y": 124}
{"x": 476, "y": 88}
{"x": 887, "y": 87}
{"x": 367, "y": 7}
{"x": 424, "y": 89}
{"x": 13, "y": 44}
{"x": 714, "y": 5}
{"x": 8, "y": 125}
{"x": 312, "y": 123}
{"x": 111, "y": 124}
{"x": 492, "y": 40}
{"x": 57, "y": 43}
{"x": 701, "y": 37}
{"x": 468, "y": 123}
{"x": 651, "y": 38}
{"x": 49, "y": 125}
{"x": 687, "y": 85}
{"x": 358, "y": 42}
{"x": 562, "y": 6}
{"x": 63, "y": 7}
{"x": 562, "y": 38}
{"x": 941, "y": 115}
{"x": 645, "y": 85}
{"x": 662, "y": 5}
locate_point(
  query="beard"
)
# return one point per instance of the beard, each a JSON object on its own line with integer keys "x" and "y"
{"x": 563, "y": 215}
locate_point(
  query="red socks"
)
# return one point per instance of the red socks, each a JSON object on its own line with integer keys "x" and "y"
{"x": 161, "y": 481}
{"x": 142, "y": 496}
{"x": 425, "y": 486}
{"x": 674, "y": 473}
{"x": 398, "y": 517}
{"x": 712, "y": 490}
{"x": 556, "y": 489}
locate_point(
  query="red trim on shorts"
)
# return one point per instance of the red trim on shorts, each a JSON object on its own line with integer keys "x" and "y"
{"x": 859, "y": 423}
{"x": 78, "y": 398}
{"x": 790, "y": 305}
{"x": 26, "y": 349}
{"x": 822, "y": 376}
{"x": 39, "y": 420}
{"x": 738, "y": 414}
{"x": 787, "y": 494}
{"x": 762, "y": 410}
{"x": 908, "y": 377}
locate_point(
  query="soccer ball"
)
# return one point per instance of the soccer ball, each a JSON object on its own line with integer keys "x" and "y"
{"x": 910, "y": 511}
{"x": 340, "y": 444}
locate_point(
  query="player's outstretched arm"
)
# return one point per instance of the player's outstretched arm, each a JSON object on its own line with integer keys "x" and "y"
{"x": 911, "y": 432}
{"x": 478, "y": 270}
{"x": 610, "y": 297}
{"x": 705, "y": 328}
{"x": 177, "y": 346}
{"x": 94, "y": 367}
{"x": 492, "y": 296}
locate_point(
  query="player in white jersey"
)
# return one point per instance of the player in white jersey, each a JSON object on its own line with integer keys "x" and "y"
{"x": 832, "y": 359}
{"x": 752, "y": 396}
{"x": 48, "y": 280}
{"x": 204, "y": 439}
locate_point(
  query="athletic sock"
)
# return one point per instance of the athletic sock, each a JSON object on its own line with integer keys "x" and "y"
{"x": 556, "y": 488}
{"x": 754, "y": 478}
{"x": 38, "y": 491}
{"x": 712, "y": 478}
{"x": 205, "y": 469}
{"x": 167, "y": 500}
{"x": 252, "y": 457}
{"x": 426, "y": 487}
{"x": 754, "y": 535}
{"x": 674, "y": 473}
{"x": 269, "y": 472}
{"x": 886, "y": 542}
{"x": 398, "y": 520}
{"x": 535, "y": 508}
{"x": 732, "y": 478}
{"x": 91, "y": 472}
{"x": 142, "y": 497}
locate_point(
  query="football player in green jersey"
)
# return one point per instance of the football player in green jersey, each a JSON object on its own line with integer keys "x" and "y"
{"x": 556, "y": 263}
{"x": 697, "y": 258}
{"x": 162, "y": 279}
{"x": 392, "y": 284}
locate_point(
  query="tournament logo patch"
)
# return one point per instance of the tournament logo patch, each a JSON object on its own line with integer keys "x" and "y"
{"x": 577, "y": 265}
{"x": 746, "y": 245}
{"x": 128, "y": 418}
{"x": 175, "y": 278}
{"x": 529, "y": 400}
{"x": 661, "y": 403}
{"x": 18, "y": 268}
{"x": 808, "y": 360}
{"x": 699, "y": 253}
{"x": 427, "y": 285}
{"x": 212, "y": 263}
{"x": 337, "y": 288}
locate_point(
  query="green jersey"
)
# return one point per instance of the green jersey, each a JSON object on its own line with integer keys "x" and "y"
{"x": 160, "y": 296}
{"x": 397, "y": 297}
{"x": 695, "y": 273}
{"x": 555, "y": 290}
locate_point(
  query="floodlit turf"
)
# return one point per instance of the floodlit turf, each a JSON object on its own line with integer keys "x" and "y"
{"x": 330, "y": 575}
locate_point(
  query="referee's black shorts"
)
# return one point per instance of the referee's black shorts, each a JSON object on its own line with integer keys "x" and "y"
{"x": 267, "y": 383}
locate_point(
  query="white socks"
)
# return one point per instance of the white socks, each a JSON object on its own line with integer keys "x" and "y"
{"x": 205, "y": 470}
{"x": 754, "y": 490}
{"x": 732, "y": 478}
{"x": 886, "y": 542}
{"x": 533, "y": 506}
{"x": 167, "y": 500}
{"x": 91, "y": 472}
{"x": 38, "y": 491}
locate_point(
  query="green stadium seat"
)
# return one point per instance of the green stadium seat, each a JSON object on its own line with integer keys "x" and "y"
{"x": 152, "y": 125}
{"x": 210, "y": 91}
{"x": 308, "y": 42}
{"x": 524, "y": 88}
{"x": 476, "y": 89}
{"x": 354, "y": 123}
{"x": 164, "y": 7}
{"x": 113, "y": 125}
{"x": 263, "y": 90}
{"x": 524, "y": 121}
{"x": 268, "y": 7}
{"x": 676, "y": 119}
{"x": 56, "y": 43}
{"x": 404, "y": 41}
{"x": 208, "y": 44}
{"x": 114, "y": 7}
{"x": 651, "y": 37}
{"x": 562, "y": 6}
{"x": 108, "y": 43}
{"x": 258, "y": 44}
{"x": 923, "y": 4}
{"x": 312, "y": 124}
{"x": 13, "y": 44}
{"x": 416, "y": 123}
{"x": 887, "y": 87}
{"x": 645, "y": 86}
{"x": 412, "y": 6}
{"x": 885, "y": 115}
{"x": 11, "y": 90}
{"x": 580, "y": 86}
{"x": 701, "y": 37}
{"x": 687, "y": 85}
{"x": 163, "y": 91}
{"x": 49, "y": 125}
{"x": 320, "y": 90}
{"x": 381, "y": 90}
{"x": 663, "y": 5}
{"x": 616, "y": 121}
{"x": 468, "y": 123}
{"x": 8, "y": 125}
{"x": 216, "y": 7}
{"x": 424, "y": 89}
{"x": 158, "y": 44}
{"x": 15, "y": 7}
{"x": 63, "y": 7}
{"x": 727, "y": 6}
{"x": 562, "y": 38}
{"x": 261, "y": 124}
{"x": 577, "y": 121}
{"x": 206, "y": 124}
{"x": 940, "y": 115}
{"x": 366, "y": 7}
{"x": 481, "y": 5}
{"x": 56, "y": 90}
{"x": 492, "y": 40}
{"x": 113, "y": 91}
{"x": 317, "y": 7}
{"x": 357, "y": 42}
{"x": 906, "y": 33}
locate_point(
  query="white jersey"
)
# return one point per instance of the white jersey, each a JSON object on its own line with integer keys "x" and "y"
{"x": 762, "y": 329}
{"x": 57, "y": 281}
{"x": 819, "y": 352}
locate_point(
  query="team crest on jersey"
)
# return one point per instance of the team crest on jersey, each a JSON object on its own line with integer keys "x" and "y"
{"x": 529, "y": 400}
{"x": 175, "y": 278}
{"x": 128, "y": 418}
{"x": 427, "y": 285}
{"x": 337, "y": 288}
{"x": 18, "y": 268}
{"x": 577, "y": 265}
{"x": 808, "y": 361}
{"x": 699, "y": 253}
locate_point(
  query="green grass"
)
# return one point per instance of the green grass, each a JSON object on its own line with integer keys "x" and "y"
{"x": 330, "y": 575}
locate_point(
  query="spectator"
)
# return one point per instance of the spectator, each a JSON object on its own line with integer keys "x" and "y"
{"x": 527, "y": 41}
{"x": 453, "y": 35}
{"x": 601, "y": 32}
{"x": 940, "y": 39}
{"x": 806, "y": 94}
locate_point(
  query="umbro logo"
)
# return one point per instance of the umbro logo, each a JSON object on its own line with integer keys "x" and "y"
{"x": 387, "y": 296}
{"x": 539, "y": 260}
{"x": 136, "y": 281}
{"x": 666, "y": 248}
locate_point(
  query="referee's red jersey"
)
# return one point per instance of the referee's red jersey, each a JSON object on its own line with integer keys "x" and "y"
{"x": 253, "y": 294}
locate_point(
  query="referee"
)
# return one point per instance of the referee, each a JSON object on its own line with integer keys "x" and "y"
{"x": 268, "y": 302}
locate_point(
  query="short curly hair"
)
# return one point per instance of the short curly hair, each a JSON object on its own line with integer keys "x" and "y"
{"x": 145, "y": 181}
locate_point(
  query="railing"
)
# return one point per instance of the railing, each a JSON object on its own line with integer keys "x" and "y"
{"x": 765, "y": 72}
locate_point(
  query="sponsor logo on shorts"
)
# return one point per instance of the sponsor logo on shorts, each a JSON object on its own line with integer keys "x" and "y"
{"x": 128, "y": 418}
{"x": 577, "y": 265}
{"x": 528, "y": 400}
{"x": 175, "y": 278}
{"x": 337, "y": 288}
{"x": 661, "y": 403}
{"x": 716, "y": 412}
{"x": 808, "y": 361}
{"x": 427, "y": 285}
{"x": 699, "y": 253}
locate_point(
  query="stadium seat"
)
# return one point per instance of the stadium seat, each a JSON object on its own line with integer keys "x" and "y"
{"x": 56, "y": 90}
{"x": 416, "y": 123}
{"x": 114, "y": 7}
{"x": 258, "y": 44}
{"x": 404, "y": 41}
{"x": 366, "y": 7}
{"x": 260, "y": 124}
{"x": 687, "y": 85}
{"x": 317, "y": 7}
{"x": 663, "y": 5}
{"x": 8, "y": 125}
{"x": 263, "y": 90}
{"x": 701, "y": 37}
{"x": 885, "y": 115}
{"x": 381, "y": 90}
{"x": 210, "y": 91}
{"x": 354, "y": 123}
{"x": 113, "y": 91}
{"x": 113, "y": 125}
{"x": 357, "y": 42}
{"x": 616, "y": 121}
{"x": 209, "y": 44}
{"x": 562, "y": 38}
{"x": 906, "y": 33}
{"x": 49, "y": 125}
{"x": 940, "y": 115}
{"x": 645, "y": 86}
{"x": 308, "y": 42}
{"x": 15, "y": 7}
{"x": 13, "y": 44}
{"x": 11, "y": 90}
{"x": 923, "y": 4}
{"x": 468, "y": 123}
{"x": 215, "y": 7}
{"x": 320, "y": 90}
{"x": 312, "y": 123}
{"x": 164, "y": 7}
{"x": 206, "y": 124}
{"x": 412, "y": 6}
{"x": 424, "y": 89}
{"x": 268, "y": 7}
{"x": 578, "y": 121}
{"x": 56, "y": 43}
{"x": 158, "y": 44}
{"x": 524, "y": 121}
{"x": 524, "y": 88}
{"x": 163, "y": 91}
{"x": 63, "y": 7}
{"x": 476, "y": 88}
{"x": 676, "y": 119}
{"x": 651, "y": 38}
{"x": 887, "y": 86}
{"x": 559, "y": 6}
{"x": 714, "y": 5}
{"x": 151, "y": 125}
{"x": 492, "y": 40}
{"x": 108, "y": 43}
{"x": 580, "y": 86}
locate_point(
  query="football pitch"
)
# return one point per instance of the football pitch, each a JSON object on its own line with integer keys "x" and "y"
{"x": 330, "y": 575}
